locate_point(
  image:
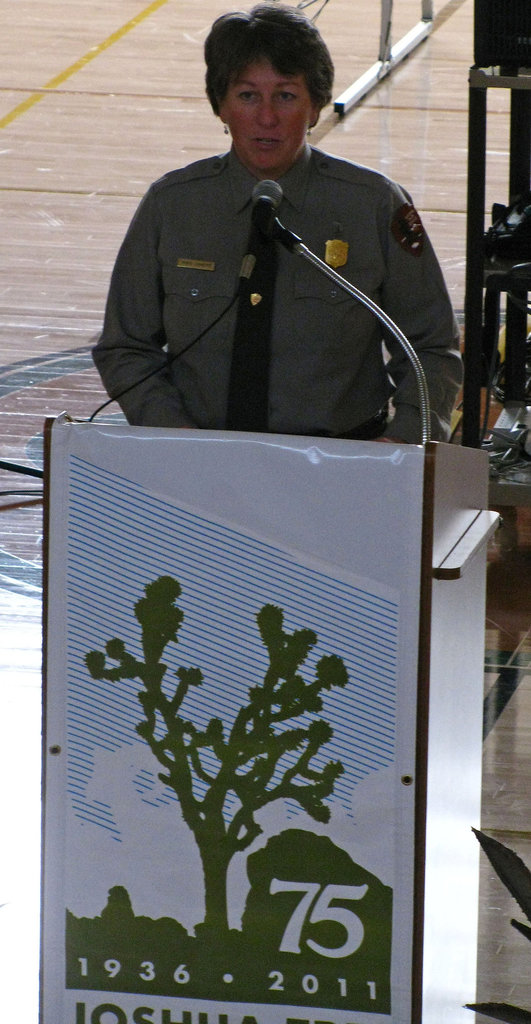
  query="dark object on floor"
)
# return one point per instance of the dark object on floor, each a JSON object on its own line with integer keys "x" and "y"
{"x": 517, "y": 879}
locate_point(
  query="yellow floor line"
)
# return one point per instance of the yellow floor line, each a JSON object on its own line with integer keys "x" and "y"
{"x": 35, "y": 97}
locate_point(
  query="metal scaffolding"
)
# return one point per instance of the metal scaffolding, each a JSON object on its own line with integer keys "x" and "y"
{"x": 389, "y": 55}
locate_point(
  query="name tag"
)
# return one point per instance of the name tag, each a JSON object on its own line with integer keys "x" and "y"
{"x": 196, "y": 264}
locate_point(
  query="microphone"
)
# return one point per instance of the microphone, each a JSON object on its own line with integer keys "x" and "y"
{"x": 266, "y": 197}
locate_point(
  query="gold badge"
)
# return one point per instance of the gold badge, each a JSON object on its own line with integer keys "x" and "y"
{"x": 336, "y": 252}
{"x": 255, "y": 298}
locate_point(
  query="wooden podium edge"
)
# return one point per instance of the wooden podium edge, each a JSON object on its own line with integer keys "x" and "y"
{"x": 48, "y": 424}
{"x": 423, "y": 686}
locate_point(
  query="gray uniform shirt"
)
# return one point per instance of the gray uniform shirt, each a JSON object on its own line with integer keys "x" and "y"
{"x": 178, "y": 269}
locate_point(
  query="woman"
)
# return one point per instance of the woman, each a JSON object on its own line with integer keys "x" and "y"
{"x": 166, "y": 348}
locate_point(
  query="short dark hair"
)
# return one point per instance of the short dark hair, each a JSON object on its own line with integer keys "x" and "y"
{"x": 273, "y": 32}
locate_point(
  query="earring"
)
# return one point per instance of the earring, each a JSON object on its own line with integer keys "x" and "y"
{"x": 226, "y": 129}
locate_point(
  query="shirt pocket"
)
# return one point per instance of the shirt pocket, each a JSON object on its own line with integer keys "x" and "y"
{"x": 327, "y": 315}
{"x": 194, "y": 299}
{"x": 311, "y": 284}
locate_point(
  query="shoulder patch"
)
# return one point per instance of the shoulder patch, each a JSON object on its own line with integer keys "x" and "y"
{"x": 408, "y": 230}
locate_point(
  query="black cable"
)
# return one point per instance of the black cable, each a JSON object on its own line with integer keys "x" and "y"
{"x": 491, "y": 375}
{"x": 177, "y": 355}
{"x": 27, "y": 470}
{"x": 22, "y": 494}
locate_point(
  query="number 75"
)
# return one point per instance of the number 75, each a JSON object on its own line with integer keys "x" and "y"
{"x": 315, "y": 908}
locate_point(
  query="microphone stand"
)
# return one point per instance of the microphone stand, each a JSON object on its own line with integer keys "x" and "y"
{"x": 294, "y": 245}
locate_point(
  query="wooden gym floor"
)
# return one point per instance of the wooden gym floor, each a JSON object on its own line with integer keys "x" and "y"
{"x": 96, "y": 101}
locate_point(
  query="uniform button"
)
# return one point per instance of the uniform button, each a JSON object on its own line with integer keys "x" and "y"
{"x": 194, "y": 292}
{"x": 324, "y": 164}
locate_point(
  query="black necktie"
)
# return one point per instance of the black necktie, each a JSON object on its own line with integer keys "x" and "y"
{"x": 247, "y": 407}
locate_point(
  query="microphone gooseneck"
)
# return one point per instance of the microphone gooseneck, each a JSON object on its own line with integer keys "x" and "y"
{"x": 267, "y": 196}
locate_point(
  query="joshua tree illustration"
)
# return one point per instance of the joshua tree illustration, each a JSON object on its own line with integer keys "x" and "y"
{"x": 516, "y": 877}
{"x": 248, "y": 759}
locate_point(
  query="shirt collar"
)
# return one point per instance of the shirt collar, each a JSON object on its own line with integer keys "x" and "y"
{"x": 294, "y": 183}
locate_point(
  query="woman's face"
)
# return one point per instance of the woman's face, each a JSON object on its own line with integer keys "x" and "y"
{"x": 268, "y": 115}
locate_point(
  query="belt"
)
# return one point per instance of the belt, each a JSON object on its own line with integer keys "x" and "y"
{"x": 370, "y": 429}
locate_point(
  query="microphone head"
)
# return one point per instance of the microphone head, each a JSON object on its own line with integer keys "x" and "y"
{"x": 268, "y": 190}
{"x": 266, "y": 197}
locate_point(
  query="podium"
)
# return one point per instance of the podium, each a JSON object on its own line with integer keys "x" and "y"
{"x": 263, "y": 727}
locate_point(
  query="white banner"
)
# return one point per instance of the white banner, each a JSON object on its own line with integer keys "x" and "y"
{"x": 230, "y": 728}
